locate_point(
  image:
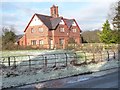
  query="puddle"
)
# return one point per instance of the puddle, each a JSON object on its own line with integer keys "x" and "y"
{"x": 61, "y": 82}
{"x": 79, "y": 80}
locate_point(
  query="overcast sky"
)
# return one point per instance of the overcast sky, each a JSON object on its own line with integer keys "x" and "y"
{"x": 90, "y": 14}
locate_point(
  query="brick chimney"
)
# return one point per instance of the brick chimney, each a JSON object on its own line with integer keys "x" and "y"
{"x": 54, "y": 11}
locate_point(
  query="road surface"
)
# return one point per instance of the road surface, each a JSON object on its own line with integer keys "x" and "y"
{"x": 106, "y": 81}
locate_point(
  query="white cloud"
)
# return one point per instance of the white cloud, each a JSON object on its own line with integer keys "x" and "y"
{"x": 21, "y": 17}
{"x": 89, "y": 17}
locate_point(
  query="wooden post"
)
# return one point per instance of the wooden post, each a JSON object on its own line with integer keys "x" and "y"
{"x": 101, "y": 56}
{"x": 108, "y": 55}
{"x": 9, "y": 61}
{"x": 14, "y": 62}
{"x": 85, "y": 58}
{"x": 29, "y": 63}
{"x": 114, "y": 55}
{"x": 66, "y": 59}
{"x": 93, "y": 58}
{"x": 3, "y": 60}
{"x": 55, "y": 60}
{"x": 75, "y": 57}
{"x": 45, "y": 62}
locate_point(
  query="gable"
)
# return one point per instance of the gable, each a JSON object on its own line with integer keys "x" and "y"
{"x": 77, "y": 25}
{"x": 35, "y": 21}
{"x": 68, "y": 22}
{"x": 50, "y": 22}
{"x": 62, "y": 22}
{"x": 73, "y": 23}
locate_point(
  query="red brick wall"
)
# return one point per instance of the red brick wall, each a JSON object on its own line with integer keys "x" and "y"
{"x": 75, "y": 35}
{"x": 46, "y": 35}
{"x": 36, "y": 35}
{"x": 58, "y": 35}
{"x": 22, "y": 41}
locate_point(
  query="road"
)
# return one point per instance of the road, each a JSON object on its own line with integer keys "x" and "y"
{"x": 106, "y": 81}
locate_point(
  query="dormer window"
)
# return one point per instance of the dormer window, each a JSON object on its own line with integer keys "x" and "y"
{"x": 61, "y": 29}
{"x": 40, "y": 29}
{"x": 32, "y": 30}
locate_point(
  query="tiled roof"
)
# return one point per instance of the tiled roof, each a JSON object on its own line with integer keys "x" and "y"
{"x": 69, "y": 22}
{"x": 45, "y": 19}
{"x": 18, "y": 37}
{"x": 55, "y": 22}
{"x": 51, "y": 22}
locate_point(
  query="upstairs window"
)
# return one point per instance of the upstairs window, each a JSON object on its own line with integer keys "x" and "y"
{"x": 40, "y": 29}
{"x": 61, "y": 29}
{"x": 33, "y": 42}
{"x": 32, "y": 30}
{"x": 74, "y": 30}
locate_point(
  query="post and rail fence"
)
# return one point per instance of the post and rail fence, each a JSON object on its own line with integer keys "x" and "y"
{"x": 56, "y": 60}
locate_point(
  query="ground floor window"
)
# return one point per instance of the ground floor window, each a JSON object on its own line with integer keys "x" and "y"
{"x": 40, "y": 42}
{"x": 22, "y": 43}
{"x": 61, "y": 41}
{"x": 33, "y": 42}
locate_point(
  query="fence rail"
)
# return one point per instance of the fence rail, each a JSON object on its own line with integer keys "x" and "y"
{"x": 13, "y": 66}
{"x": 56, "y": 60}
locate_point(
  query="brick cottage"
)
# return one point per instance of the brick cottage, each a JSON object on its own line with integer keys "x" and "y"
{"x": 50, "y": 31}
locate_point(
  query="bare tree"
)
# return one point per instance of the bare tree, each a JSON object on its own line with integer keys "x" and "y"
{"x": 8, "y": 37}
{"x": 114, "y": 15}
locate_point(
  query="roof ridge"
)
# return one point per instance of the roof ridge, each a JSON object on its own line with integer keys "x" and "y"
{"x": 54, "y": 18}
{"x": 43, "y": 15}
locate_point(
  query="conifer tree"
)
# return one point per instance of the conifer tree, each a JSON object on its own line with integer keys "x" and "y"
{"x": 106, "y": 35}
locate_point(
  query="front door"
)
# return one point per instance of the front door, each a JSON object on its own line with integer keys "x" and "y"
{"x": 51, "y": 43}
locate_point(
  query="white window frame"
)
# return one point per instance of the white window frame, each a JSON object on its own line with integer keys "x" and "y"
{"x": 61, "y": 41}
{"x": 41, "y": 42}
{"x": 33, "y": 42}
{"x": 74, "y": 30}
{"x": 40, "y": 29}
{"x": 62, "y": 29}
{"x": 32, "y": 30}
